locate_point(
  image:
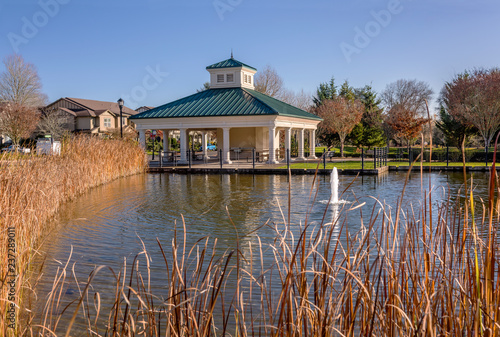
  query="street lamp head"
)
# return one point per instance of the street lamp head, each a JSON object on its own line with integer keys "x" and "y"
{"x": 120, "y": 102}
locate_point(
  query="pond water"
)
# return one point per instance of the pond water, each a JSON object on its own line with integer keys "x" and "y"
{"x": 109, "y": 224}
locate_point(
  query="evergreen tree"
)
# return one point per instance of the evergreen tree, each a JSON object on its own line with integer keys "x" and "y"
{"x": 454, "y": 131}
{"x": 369, "y": 131}
{"x": 347, "y": 91}
{"x": 325, "y": 91}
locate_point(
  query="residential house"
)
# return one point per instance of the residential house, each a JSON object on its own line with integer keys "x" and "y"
{"x": 90, "y": 116}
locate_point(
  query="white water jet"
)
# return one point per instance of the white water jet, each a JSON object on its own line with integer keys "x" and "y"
{"x": 334, "y": 181}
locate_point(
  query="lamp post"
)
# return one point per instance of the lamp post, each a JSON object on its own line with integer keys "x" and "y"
{"x": 120, "y": 103}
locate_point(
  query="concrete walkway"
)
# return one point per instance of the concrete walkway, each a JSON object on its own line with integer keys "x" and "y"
{"x": 245, "y": 166}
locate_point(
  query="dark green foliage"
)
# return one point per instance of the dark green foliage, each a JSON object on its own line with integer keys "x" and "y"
{"x": 454, "y": 131}
{"x": 174, "y": 144}
{"x": 158, "y": 146}
{"x": 325, "y": 91}
{"x": 347, "y": 91}
{"x": 327, "y": 139}
{"x": 369, "y": 131}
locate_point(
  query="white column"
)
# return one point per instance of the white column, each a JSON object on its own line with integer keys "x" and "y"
{"x": 226, "y": 155}
{"x": 301, "y": 145}
{"x": 184, "y": 146}
{"x": 142, "y": 138}
{"x": 166, "y": 135}
{"x": 312, "y": 144}
{"x": 272, "y": 145}
{"x": 204, "y": 141}
{"x": 288, "y": 142}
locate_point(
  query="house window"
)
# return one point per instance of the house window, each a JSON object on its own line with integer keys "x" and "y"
{"x": 229, "y": 78}
{"x": 124, "y": 121}
{"x": 107, "y": 122}
{"x": 220, "y": 78}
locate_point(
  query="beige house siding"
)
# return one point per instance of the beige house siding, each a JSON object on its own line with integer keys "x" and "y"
{"x": 117, "y": 121}
{"x": 107, "y": 122}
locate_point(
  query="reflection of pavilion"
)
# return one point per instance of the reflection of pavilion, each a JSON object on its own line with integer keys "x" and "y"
{"x": 242, "y": 118}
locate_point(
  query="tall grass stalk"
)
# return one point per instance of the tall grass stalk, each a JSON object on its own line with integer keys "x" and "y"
{"x": 385, "y": 279}
{"x": 33, "y": 188}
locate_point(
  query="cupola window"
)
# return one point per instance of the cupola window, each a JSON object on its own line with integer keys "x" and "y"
{"x": 220, "y": 78}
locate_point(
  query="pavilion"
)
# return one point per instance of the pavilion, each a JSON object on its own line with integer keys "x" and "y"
{"x": 241, "y": 117}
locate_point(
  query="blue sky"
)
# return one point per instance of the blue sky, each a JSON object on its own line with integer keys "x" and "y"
{"x": 151, "y": 52}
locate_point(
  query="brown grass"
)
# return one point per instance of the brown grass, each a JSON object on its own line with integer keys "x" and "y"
{"x": 32, "y": 188}
{"x": 405, "y": 272}
{"x": 402, "y": 274}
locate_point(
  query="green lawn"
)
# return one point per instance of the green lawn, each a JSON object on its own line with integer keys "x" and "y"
{"x": 356, "y": 165}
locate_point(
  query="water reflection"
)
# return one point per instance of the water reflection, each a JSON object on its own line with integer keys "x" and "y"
{"x": 107, "y": 224}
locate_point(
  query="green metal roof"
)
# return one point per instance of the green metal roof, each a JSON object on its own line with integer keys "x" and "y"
{"x": 282, "y": 108}
{"x": 225, "y": 102}
{"x": 230, "y": 63}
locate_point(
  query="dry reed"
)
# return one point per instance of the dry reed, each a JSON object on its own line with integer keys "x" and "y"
{"x": 403, "y": 273}
{"x": 32, "y": 188}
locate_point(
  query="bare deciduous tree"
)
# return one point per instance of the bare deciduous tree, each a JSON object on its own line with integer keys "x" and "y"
{"x": 300, "y": 99}
{"x": 53, "y": 122}
{"x": 20, "y": 83}
{"x": 407, "y": 94}
{"x": 474, "y": 98}
{"x": 406, "y": 108}
{"x": 18, "y": 121}
{"x": 270, "y": 83}
{"x": 267, "y": 81}
{"x": 340, "y": 115}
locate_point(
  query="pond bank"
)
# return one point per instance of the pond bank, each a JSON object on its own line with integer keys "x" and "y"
{"x": 266, "y": 171}
{"x": 31, "y": 193}
{"x": 200, "y": 169}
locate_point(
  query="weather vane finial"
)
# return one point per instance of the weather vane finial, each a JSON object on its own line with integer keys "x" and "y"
{"x": 232, "y": 53}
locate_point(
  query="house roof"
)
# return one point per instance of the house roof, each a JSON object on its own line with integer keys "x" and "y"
{"x": 230, "y": 63}
{"x": 225, "y": 102}
{"x": 145, "y": 107}
{"x": 71, "y": 112}
{"x": 100, "y": 106}
{"x": 84, "y": 113}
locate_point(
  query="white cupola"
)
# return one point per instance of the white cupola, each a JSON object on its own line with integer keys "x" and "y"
{"x": 231, "y": 74}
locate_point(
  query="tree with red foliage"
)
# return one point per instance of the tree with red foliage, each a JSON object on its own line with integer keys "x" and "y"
{"x": 18, "y": 121}
{"x": 474, "y": 99}
{"x": 406, "y": 109}
{"x": 404, "y": 123}
{"x": 340, "y": 115}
